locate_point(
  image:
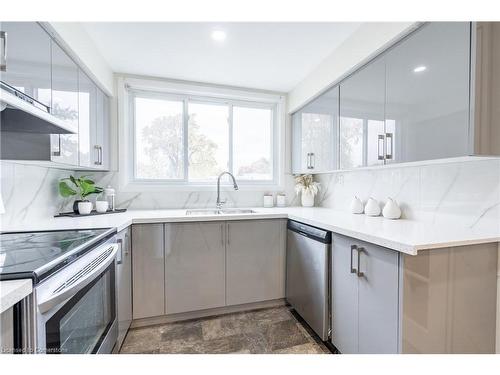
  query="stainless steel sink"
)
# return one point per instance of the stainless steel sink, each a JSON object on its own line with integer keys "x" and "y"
{"x": 237, "y": 211}
{"x": 227, "y": 211}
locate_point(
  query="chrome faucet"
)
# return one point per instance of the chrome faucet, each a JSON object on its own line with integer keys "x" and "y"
{"x": 219, "y": 203}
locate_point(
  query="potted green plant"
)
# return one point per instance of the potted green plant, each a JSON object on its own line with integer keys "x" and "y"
{"x": 82, "y": 187}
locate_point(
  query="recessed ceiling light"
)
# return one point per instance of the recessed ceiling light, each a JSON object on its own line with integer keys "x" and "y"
{"x": 218, "y": 35}
{"x": 419, "y": 69}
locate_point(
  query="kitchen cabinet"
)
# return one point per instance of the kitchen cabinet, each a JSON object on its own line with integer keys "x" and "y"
{"x": 148, "y": 269}
{"x": 365, "y": 297}
{"x": 64, "y": 147}
{"x": 87, "y": 101}
{"x": 427, "y": 94}
{"x": 314, "y": 134}
{"x": 28, "y": 60}
{"x": 362, "y": 115}
{"x": 124, "y": 284}
{"x": 101, "y": 140}
{"x": 255, "y": 261}
{"x": 194, "y": 266}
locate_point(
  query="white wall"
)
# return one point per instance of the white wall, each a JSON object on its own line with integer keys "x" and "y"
{"x": 74, "y": 38}
{"x": 368, "y": 40}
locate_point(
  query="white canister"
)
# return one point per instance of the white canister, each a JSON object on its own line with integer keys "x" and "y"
{"x": 84, "y": 208}
{"x": 357, "y": 205}
{"x": 391, "y": 209}
{"x": 281, "y": 200}
{"x": 101, "y": 206}
{"x": 372, "y": 207}
{"x": 268, "y": 201}
{"x": 307, "y": 198}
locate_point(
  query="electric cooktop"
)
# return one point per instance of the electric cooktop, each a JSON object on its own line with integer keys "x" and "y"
{"x": 37, "y": 254}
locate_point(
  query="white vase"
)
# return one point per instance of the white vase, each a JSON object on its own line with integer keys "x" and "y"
{"x": 307, "y": 199}
{"x": 84, "y": 208}
{"x": 372, "y": 207}
{"x": 391, "y": 210}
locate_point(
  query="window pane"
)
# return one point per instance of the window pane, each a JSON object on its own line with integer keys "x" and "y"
{"x": 159, "y": 138}
{"x": 252, "y": 143}
{"x": 208, "y": 141}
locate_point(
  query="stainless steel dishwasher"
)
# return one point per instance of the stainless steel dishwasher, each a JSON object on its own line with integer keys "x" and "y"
{"x": 307, "y": 275}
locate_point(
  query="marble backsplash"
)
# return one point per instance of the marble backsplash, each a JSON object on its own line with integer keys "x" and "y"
{"x": 30, "y": 192}
{"x": 459, "y": 193}
{"x": 465, "y": 193}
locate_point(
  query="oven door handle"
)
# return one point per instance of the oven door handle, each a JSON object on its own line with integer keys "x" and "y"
{"x": 83, "y": 278}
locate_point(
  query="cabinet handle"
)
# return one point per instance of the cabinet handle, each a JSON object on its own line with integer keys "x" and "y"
{"x": 58, "y": 152}
{"x": 119, "y": 255}
{"x": 100, "y": 155}
{"x": 312, "y": 160}
{"x": 353, "y": 247}
{"x": 308, "y": 161}
{"x": 227, "y": 234}
{"x": 380, "y": 149}
{"x": 3, "y": 52}
{"x": 388, "y": 145}
{"x": 360, "y": 250}
{"x": 222, "y": 235}
{"x": 96, "y": 149}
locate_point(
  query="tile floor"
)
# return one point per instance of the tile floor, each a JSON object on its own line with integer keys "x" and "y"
{"x": 274, "y": 330}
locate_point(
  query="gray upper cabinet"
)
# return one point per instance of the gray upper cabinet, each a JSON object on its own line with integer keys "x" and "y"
{"x": 365, "y": 297}
{"x": 64, "y": 105}
{"x": 101, "y": 140}
{"x": 194, "y": 266}
{"x": 427, "y": 107}
{"x": 314, "y": 134}
{"x": 255, "y": 261}
{"x": 362, "y": 101}
{"x": 28, "y": 62}
{"x": 87, "y": 99}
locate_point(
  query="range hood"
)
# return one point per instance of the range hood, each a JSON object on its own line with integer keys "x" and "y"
{"x": 20, "y": 113}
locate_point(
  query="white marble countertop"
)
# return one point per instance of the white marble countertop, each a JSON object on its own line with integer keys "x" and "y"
{"x": 12, "y": 291}
{"x": 407, "y": 236}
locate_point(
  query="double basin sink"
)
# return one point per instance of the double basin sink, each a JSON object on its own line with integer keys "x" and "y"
{"x": 227, "y": 211}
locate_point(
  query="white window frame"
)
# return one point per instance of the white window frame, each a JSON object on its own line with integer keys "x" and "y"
{"x": 129, "y": 88}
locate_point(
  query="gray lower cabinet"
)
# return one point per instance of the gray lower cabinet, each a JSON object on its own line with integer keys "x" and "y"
{"x": 148, "y": 269}
{"x": 194, "y": 266}
{"x": 255, "y": 261}
{"x": 124, "y": 284}
{"x": 365, "y": 297}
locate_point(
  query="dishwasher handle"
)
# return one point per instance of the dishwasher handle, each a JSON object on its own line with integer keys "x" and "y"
{"x": 311, "y": 232}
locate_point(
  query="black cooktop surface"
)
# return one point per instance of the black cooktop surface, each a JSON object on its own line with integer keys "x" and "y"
{"x": 33, "y": 254}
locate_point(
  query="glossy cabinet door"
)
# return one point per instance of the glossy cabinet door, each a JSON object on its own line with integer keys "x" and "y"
{"x": 344, "y": 293}
{"x": 255, "y": 261}
{"x": 362, "y": 115}
{"x": 315, "y": 129}
{"x": 101, "y": 141}
{"x": 427, "y": 109}
{"x": 365, "y": 297}
{"x": 194, "y": 266}
{"x": 87, "y": 99}
{"x": 378, "y": 296}
{"x": 28, "y": 60}
{"x": 64, "y": 105}
{"x": 148, "y": 269}
{"x": 124, "y": 284}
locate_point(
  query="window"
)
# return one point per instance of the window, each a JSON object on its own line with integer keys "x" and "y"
{"x": 179, "y": 139}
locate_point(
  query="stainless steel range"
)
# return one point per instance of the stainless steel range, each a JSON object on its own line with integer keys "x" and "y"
{"x": 73, "y": 307}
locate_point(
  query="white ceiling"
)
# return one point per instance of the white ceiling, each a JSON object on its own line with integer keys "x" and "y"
{"x": 270, "y": 56}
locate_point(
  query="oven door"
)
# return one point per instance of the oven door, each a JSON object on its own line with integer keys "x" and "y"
{"x": 77, "y": 312}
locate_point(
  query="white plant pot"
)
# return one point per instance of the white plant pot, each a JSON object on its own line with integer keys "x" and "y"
{"x": 84, "y": 208}
{"x": 101, "y": 206}
{"x": 307, "y": 199}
